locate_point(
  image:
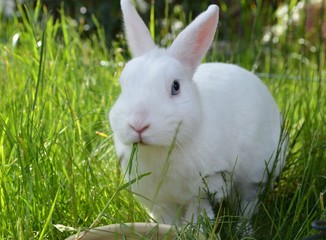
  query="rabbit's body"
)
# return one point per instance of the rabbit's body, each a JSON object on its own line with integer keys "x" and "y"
{"x": 198, "y": 127}
{"x": 211, "y": 150}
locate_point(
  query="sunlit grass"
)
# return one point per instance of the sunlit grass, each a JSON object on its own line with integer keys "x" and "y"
{"x": 58, "y": 164}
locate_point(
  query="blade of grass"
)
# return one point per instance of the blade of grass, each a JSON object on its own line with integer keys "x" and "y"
{"x": 48, "y": 219}
{"x": 40, "y": 75}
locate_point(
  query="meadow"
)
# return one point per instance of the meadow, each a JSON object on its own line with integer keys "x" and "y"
{"x": 58, "y": 169}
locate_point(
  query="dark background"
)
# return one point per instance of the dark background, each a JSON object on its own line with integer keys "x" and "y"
{"x": 242, "y": 23}
{"x": 235, "y": 15}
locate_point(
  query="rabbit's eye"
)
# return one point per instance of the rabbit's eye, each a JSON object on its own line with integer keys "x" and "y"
{"x": 175, "y": 90}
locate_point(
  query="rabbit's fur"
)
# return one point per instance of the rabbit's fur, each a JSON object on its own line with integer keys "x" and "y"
{"x": 221, "y": 124}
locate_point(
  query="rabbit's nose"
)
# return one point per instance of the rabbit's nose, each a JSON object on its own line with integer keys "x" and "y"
{"x": 139, "y": 122}
{"x": 139, "y": 131}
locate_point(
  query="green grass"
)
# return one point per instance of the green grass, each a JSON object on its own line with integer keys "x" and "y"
{"x": 55, "y": 93}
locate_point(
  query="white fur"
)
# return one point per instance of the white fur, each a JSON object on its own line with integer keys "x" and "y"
{"x": 225, "y": 121}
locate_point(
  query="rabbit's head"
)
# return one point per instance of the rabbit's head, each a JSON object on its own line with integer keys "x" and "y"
{"x": 158, "y": 98}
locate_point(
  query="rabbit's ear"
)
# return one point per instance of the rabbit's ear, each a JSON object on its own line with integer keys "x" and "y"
{"x": 193, "y": 42}
{"x": 138, "y": 36}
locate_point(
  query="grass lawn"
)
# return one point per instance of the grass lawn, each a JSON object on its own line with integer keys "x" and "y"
{"x": 58, "y": 168}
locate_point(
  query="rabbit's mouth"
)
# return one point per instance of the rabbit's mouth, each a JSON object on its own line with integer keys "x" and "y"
{"x": 141, "y": 142}
{"x": 145, "y": 141}
{"x": 138, "y": 133}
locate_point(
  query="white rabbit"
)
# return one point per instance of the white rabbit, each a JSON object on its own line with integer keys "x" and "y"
{"x": 194, "y": 124}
